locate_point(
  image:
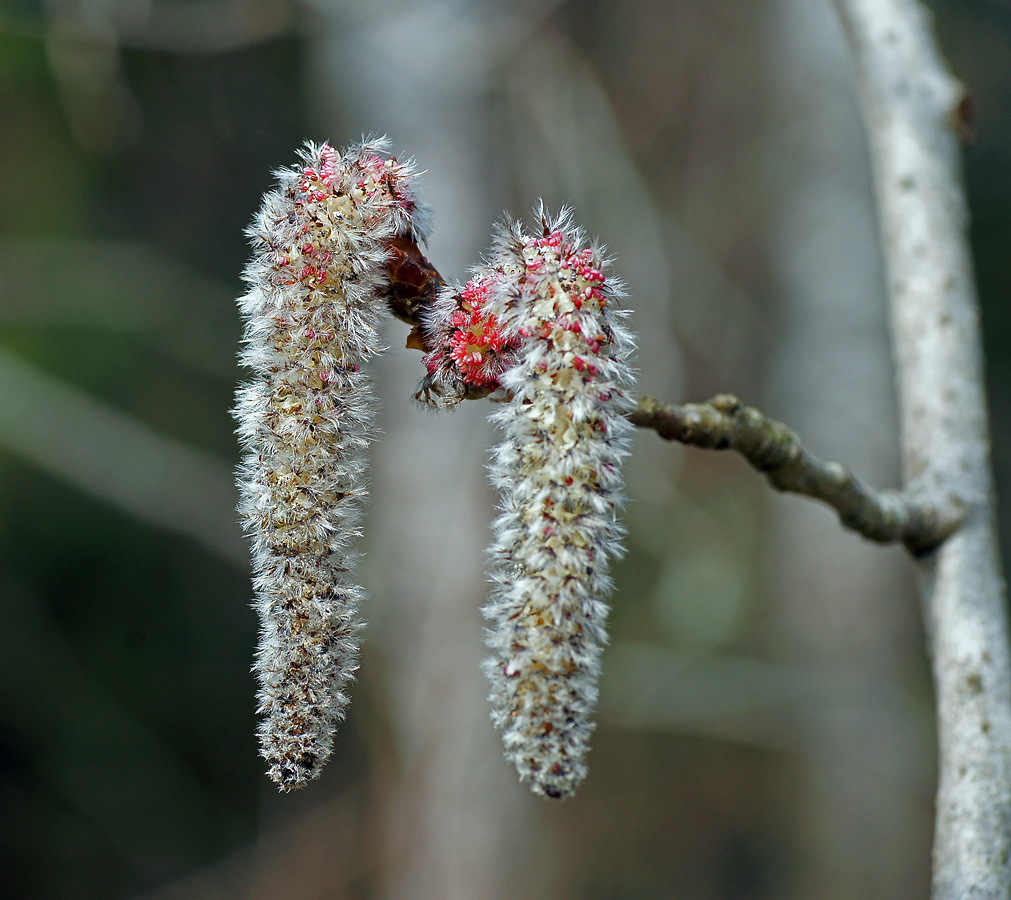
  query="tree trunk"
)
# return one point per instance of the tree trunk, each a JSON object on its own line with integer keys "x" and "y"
{"x": 913, "y": 109}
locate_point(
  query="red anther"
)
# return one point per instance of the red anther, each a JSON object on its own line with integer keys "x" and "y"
{"x": 476, "y": 291}
{"x": 577, "y": 363}
{"x": 592, "y": 369}
{"x": 577, "y": 301}
{"x": 309, "y": 333}
{"x": 328, "y": 168}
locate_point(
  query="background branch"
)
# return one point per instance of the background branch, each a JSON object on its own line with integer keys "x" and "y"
{"x": 914, "y": 109}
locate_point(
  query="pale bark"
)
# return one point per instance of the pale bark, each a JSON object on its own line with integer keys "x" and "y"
{"x": 913, "y": 109}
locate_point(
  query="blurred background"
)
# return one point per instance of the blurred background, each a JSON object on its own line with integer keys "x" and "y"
{"x": 766, "y": 723}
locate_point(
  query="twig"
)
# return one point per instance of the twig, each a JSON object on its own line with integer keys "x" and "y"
{"x": 914, "y": 111}
{"x": 724, "y": 423}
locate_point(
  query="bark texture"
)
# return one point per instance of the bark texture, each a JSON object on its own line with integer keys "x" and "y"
{"x": 914, "y": 110}
{"x": 724, "y": 423}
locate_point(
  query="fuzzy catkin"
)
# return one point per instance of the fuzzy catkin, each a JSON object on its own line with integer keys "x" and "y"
{"x": 316, "y": 287}
{"x": 558, "y": 475}
{"x": 539, "y": 327}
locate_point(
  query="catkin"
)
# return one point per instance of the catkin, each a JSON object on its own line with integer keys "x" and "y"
{"x": 316, "y": 292}
{"x": 539, "y": 327}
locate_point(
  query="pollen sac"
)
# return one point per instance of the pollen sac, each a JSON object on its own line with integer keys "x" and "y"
{"x": 318, "y": 284}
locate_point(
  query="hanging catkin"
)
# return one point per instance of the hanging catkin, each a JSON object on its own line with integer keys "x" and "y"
{"x": 317, "y": 284}
{"x": 538, "y": 327}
